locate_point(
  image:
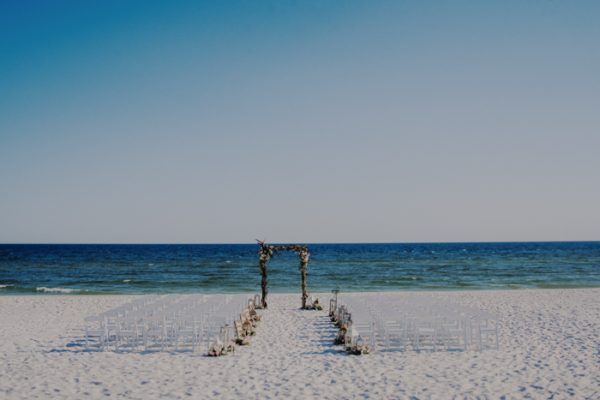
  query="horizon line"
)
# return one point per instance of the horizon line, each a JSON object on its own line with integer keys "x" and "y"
{"x": 303, "y": 242}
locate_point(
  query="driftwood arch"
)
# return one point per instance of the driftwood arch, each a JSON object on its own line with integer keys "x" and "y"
{"x": 266, "y": 251}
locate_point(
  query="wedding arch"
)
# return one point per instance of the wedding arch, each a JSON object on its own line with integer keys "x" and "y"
{"x": 267, "y": 251}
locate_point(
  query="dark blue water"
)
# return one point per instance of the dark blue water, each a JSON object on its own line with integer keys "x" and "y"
{"x": 82, "y": 269}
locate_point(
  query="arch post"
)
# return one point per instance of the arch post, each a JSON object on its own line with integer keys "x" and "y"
{"x": 303, "y": 255}
{"x": 264, "y": 254}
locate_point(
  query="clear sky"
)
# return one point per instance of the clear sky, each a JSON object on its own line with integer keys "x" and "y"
{"x": 337, "y": 121}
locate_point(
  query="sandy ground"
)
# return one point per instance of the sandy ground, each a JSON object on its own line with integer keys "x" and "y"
{"x": 549, "y": 349}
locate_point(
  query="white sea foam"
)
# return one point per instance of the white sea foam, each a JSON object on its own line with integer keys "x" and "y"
{"x": 4, "y": 286}
{"x": 56, "y": 290}
{"x": 126, "y": 280}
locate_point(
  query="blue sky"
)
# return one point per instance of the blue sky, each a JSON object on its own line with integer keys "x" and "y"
{"x": 302, "y": 121}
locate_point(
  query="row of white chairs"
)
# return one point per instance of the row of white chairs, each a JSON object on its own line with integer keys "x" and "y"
{"x": 391, "y": 323}
{"x": 164, "y": 323}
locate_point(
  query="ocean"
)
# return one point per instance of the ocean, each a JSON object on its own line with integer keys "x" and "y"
{"x": 230, "y": 268}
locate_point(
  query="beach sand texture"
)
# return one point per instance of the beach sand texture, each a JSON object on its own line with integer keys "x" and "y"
{"x": 549, "y": 348}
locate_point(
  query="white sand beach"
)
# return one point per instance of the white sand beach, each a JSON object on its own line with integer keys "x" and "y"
{"x": 549, "y": 349}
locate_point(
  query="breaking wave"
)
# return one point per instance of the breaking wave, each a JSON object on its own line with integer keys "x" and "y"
{"x": 57, "y": 290}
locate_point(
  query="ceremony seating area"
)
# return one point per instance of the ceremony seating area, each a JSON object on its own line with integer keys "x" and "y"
{"x": 169, "y": 323}
{"x": 377, "y": 322}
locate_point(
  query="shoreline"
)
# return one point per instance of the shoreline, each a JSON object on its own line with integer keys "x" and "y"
{"x": 75, "y": 292}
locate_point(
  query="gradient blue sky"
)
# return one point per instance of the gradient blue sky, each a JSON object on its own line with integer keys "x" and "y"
{"x": 338, "y": 121}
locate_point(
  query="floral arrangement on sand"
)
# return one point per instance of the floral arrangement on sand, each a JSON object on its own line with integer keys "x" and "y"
{"x": 253, "y": 314}
{"x": 216, "y": 348}
{"x": 313, "y": 305}
{"x": 240, "y": 337}
{"x": 222, "y": 344}
{"x": 340, "y": 337}
{"x": 355, "y": 343}
{"x": 340, "y": 316}
{"x": 359, "y": 349}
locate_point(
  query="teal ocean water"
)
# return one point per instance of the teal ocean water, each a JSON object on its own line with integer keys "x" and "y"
{"x": 86, "y": 269}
